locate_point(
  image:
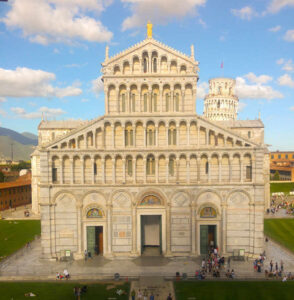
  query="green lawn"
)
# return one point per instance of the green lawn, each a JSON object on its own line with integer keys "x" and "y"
{"x": 15, "y": 234}
{"x": 61, "y": 290}
{"x": 234, "y": 290}
{"x": 280, "y": 230}
{"x": 285, "y": 187}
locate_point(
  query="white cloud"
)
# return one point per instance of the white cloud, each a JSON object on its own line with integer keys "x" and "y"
{"x": 262, "y": 79}
{"x": 280, "y": 61}
{"x": 158, "y": 11}
{"x": 2, "y": 99}
{"x": 24, "y": 82}
{"x": 276, "y": 5}
{"x": 54, "y": 21}
{"x": 42, "y": 111}
{"x": 275, "y": 29}
{"x": 2, "y": 112}
{"x": 255, "y": 91}
{"x": 286, "y": 80}
{"x": 289, "y": 35}
{"x": 97, "y": 85}
{"x": 245, "y": 13}
{"x": 202, "y": 90}
{"x": 241, "y": 106}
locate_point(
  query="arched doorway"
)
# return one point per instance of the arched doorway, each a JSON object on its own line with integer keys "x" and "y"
{"x": 151, "y": 225}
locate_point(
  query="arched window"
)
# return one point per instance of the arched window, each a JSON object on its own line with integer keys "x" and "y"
{"x": 129, "y": 137}
{"x": 150, "y": 137}
{"x": 155, "y": 102}
{"x": 218, "y": 104}
{"x": 145, "y": 65}
{"x": 206, "y": 167}
{"x": 133, "y": 102}
{"x": 171, "y": 166}
{"x": 130, "y": 166}
{"x": 172, "y": 136}
{"x": 249, "y": 134}
{"x": 177, "y": 102}
{"x": 150, "y": 167}
{"x": 167, "y": 102}
{"x": 154, "y": 65}
{"x": 145, "y": 102}
{"x": 123, "y": 102}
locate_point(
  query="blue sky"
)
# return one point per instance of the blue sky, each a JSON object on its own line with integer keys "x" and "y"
{"x": 51, "y": 53}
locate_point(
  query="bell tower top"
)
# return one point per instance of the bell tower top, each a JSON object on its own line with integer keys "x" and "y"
{"x": 149, "y": 30}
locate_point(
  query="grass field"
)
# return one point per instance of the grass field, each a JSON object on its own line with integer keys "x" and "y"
{"x": 280, "y": 230}
{"x": 61, "y": 290}
{"x": 15, "y": 234}
{"x": 285, "y": 187}
{"x": 234, "y": 290}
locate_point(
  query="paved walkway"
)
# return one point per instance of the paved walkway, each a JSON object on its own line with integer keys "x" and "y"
{"x": 18, "y": 213}
{"x": 26, "y": 264}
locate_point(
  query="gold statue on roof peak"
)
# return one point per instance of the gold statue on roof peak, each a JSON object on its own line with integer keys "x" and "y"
{"x": 149, "y": 30}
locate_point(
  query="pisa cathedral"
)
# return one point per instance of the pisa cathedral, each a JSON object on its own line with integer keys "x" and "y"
{"x": 151, "y": 174}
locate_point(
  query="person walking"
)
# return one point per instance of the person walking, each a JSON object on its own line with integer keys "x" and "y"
{"x": 169, "y": 297}
{"x": 271, "y": 265}
{"x": 282, "y": 266}
{"x": 277, "y": 267}
{"x": 139, "y": 295}
{"x": 86, "y": 254}
{"x": 151, "y": 297}
{"x": 133, "y": 294}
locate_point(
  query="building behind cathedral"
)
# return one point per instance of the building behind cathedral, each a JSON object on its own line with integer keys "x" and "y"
{"x": 151, "y": 173}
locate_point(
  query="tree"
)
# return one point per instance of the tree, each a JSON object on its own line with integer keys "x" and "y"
{"x": 21, "y": 165}
{"x": 277, "y": 175}
{"x": 2, "y": 177}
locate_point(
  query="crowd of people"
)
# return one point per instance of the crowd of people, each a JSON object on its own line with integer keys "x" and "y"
{"x": 281, "y": 202}
{"x": 65, "y": 275}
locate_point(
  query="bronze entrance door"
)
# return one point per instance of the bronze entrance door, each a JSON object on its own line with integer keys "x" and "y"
{"x": 95, "y": 240}
{"x": 207, "y": 238}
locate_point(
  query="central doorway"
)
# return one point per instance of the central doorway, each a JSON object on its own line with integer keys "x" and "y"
{"x": 207, "y": 238}
{"x": 151, "y": 235}
{"x": 95, "y": 240}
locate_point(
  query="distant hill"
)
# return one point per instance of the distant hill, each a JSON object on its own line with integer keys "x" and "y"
{"x": 23, "y": 144}
{"x": 30, "y": 136}
{"x": 17, "y": 137}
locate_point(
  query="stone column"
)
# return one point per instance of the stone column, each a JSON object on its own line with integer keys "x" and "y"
{"x": 171, "y": 101}
{"x": 177, "y": 169}
{"x": 183, "y": 100}
{"x": 188, "y": 170}
{"x": 167, "y": 170}
{"x": 93, "y": 174}
{"x": 124, "y": 169}
{"x": 207, "y": 137}
{"x": 61, "y": 171}
{"x": 140, "y": 101}
{"x": 134, "y": 229}
{"x": 198, "y": 135}
{"x": 94, "y": 139}
{"x": 161, "y": 98}
{"x": 209, "y": 170}
{"x": 230, "y": 169}
{"x": 106, "y": 101}
{"x": 156, "y": 136}
{"x": 103, "y": 170}
{"x": 85, "y": 141}
{"x": 177, "y": 135}
{"x": 144, "y": 131}
{"x": 113, "y": 135}
{"x": 118, "y": 101}
{"x": 198, "y": 169}
{"x": 128, "y": 106}
{"x": 83, "y": 170}
{"x": 156, "y": 169}
{"x": 144, "y": 170}
{"x": 79, "y": 207}
{"x": 134, "y": 170}
{"x": 224, "y": 228}
{"x": 71, "y": 161}
{"x": 193, "y": 229}
{"x": 149, "y": 62}
{"x": 168, "y": 230}
{"x": 253, "y": 169}
{"x": 251, "y": 226}
{"x": 134, "y": 135}
{"x": 188, "y": 134}
{"x": 167, "y": 135}
{"x": 109, "y": 231}
{"x": 124, "y": 137}
{"x": 113, "y": 171}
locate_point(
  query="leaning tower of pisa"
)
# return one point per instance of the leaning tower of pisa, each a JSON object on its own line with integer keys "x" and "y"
{"x": 221, "y": 104}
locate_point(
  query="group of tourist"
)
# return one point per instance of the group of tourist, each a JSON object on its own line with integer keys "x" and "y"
{"x": 65, "y": 275}
{"x": 143, "y": 295}
{"x": 277, "y": 203}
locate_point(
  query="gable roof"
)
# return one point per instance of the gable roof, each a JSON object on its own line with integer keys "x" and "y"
{"x": 155, "y": 43}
